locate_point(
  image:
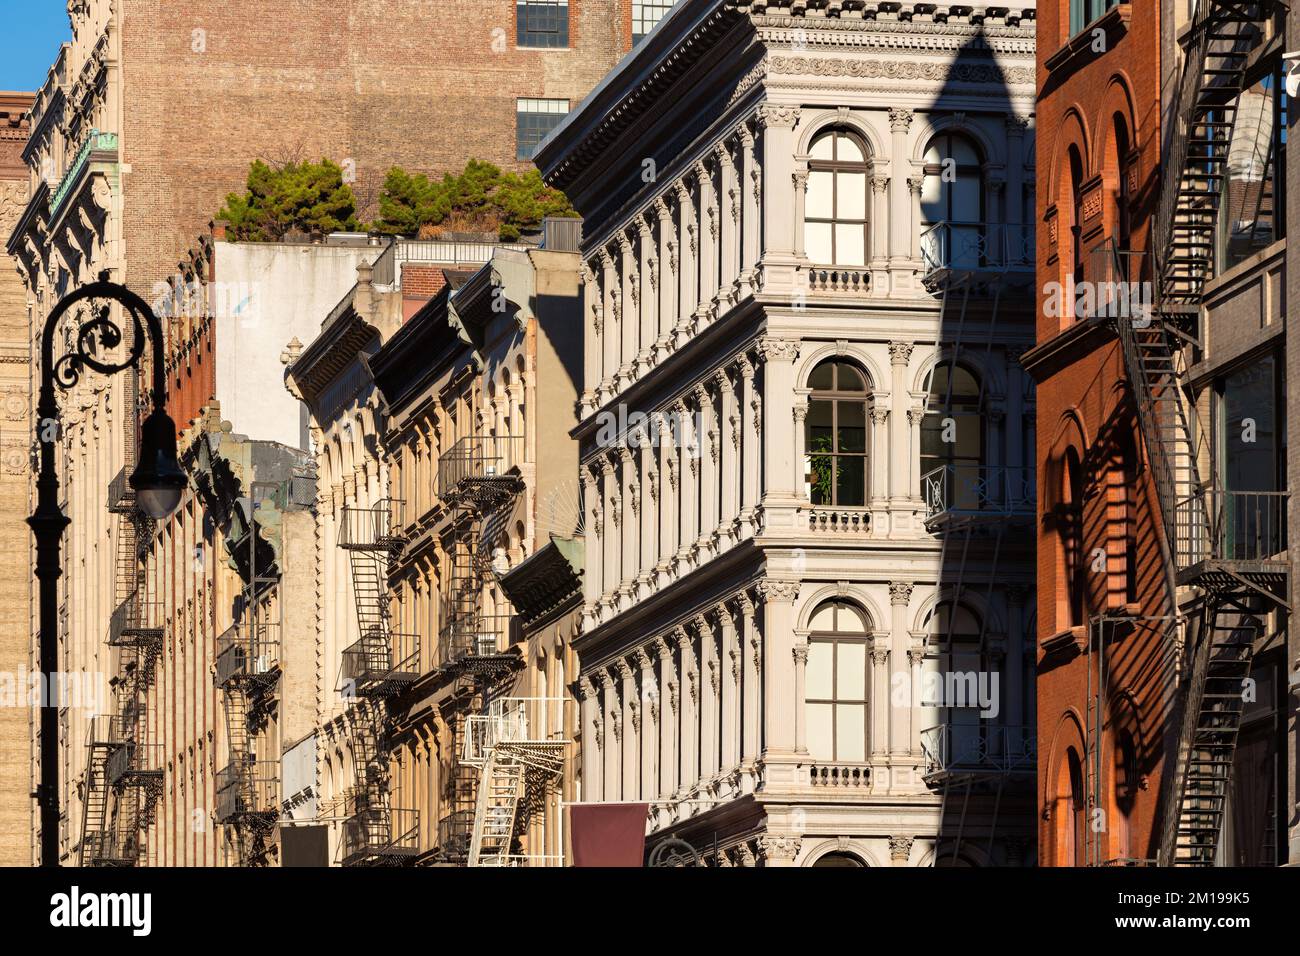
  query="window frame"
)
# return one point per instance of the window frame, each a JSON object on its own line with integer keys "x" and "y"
{"x": 835, "y": 638}
{"x": 836, "y": 396}
{"x": 836, "y": 167}
{"x": 523, "y": 11}
{"x": 520, "y": 126}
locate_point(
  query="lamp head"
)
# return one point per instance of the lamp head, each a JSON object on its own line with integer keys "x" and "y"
{"x": 158, "y": 479}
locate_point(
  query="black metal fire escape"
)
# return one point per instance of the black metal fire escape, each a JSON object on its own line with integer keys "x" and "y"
{"x": 1224, "y": 545}
{"x": 124, "y": 772}
{"x": 380, "y": 664}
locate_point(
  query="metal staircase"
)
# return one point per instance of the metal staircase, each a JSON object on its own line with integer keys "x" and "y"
{"x": 1222, "y": 544}
{"x": 381, "y": 663}
{"x": 519, "y": 746}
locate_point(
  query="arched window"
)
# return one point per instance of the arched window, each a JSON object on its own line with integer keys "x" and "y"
{"x": 1076, "y": 836}
{"x": 835, "y": 205}
{"x": 835, "y": 684}
{"x": 952, "y": 439}
{"x": 1126, "y": 789}
{"x": 1068, "y": 519}
{"x": 952, "y": 193}
{"x": 1076, "y": 214}
{"x": 835, "y": 859}
{"x": 955, "y": 685}
{"x": 1123, "y": 220}
{"x": 837, "y": 435}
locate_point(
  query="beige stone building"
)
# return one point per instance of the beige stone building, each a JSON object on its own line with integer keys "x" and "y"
{"x": 151, "y": 115}
{"x": 16, "y": 811}
{"x": 803, "y": 431}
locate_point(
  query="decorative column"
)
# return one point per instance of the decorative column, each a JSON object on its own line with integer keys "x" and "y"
{"x": 649, "y": 298}
{"x": 710, "y": 225}
{"x": 779, "y": 500}
{"x": 651, "y": 705}
{"x": 879, "y": 252}
{"x": 613, "y": 737}
{"x": 591, "y": 344}
{"x": 916, "y": 651}
{"x": 751, "y": 663}
{"x": 1015, "y": 426}
{"x": 729, "y": 452}
{"x": 732, "y": 654}
{"x": 667, "y": 311}
{"x": 900, "y": 451}
{"x": 798, "y": 715}
{"x": 631, "y": 730}
{"x": 881, "y": 694}
{"x": 670, "y": 709}
{"x": 593, "y": 733}
{"x": 710, "y": 684}
{"x": 688, "y": 277}
{"x": 914, "y": 186}
{"x": 751, "y": 192}
{"x": 778, "y": 849}
{"x": 779, "y": 679}
{"x": 881, "y": 456}
{"x": 900, "y": 211}
{"x": 729, "y": 219}
{"x": 610, "y": 329}
{"x": 1015, "y": 197}
{"x": 779, "y": 223}
{"x": 591, "y": 578}
{"x": 1015, "y": 662}
{"x": 687, "y": 470}
{"x": 900, "y": 594}
{"x": 630, "y": 316}
{"x": 800, "y": 179}
{"x": 608, "y": 528}
{"x": 800, "y": 411}
{"x": 650, "y": 508}
{"x": 709, "y": 454}
{"x": 668, "y": 494}
{"x": 915, "y": 416}
{"x": 628, "y": 521}
{"x": 690, "y": 757}
{"x": 749, "y": 449}
{"x": 900, "y": 849}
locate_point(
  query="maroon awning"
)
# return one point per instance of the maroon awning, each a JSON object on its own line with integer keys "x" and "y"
{"x": 608, "y": 834}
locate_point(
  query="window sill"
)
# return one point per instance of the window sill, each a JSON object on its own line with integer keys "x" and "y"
{"x": 1114, "y": 23}
{"x": 1075, "y": 637}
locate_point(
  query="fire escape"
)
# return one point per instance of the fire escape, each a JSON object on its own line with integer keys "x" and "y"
{"x": 124, "y": 771}
{"x": 1227, "y": 547}
{"x": 380, "y": 664}
{"x": 477, "y": 482}
{"x": 978, "y": 511}
{"x": 247, "y": 670}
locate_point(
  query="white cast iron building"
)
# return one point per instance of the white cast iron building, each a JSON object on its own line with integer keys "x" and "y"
{"x": 805, "y": 431}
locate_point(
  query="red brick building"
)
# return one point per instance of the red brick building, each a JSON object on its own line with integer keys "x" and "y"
{"x": 1104, "y": 601}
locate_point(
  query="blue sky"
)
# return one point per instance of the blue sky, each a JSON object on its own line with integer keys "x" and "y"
{"x": 30, "y": 34}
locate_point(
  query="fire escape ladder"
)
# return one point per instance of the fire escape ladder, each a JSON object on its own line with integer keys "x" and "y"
{"x": 1205, "y": 547}
{"x": 501, "y": 786}
{"x": 96, "y": 837}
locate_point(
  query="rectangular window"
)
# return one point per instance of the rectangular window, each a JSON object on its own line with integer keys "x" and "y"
{"x": 542, "y": 24}
{"x": 835, "y": 685}
{"x": 534, "y": 120}
{"x": 1250, "y": 409}
{"x": 645, "y": 14}
{"x": 1083, "y": 12}
{"x": 1250, "y": 213}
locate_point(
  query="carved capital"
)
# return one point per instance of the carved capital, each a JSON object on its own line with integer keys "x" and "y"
{"x": 900, "y": 593}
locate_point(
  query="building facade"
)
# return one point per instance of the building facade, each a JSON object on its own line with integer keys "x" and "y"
{"x": 16, "y": 763}
{"x": 150, "y": 117}
{"x": 804, "y": 432}
{"x": 1164, "y": 569}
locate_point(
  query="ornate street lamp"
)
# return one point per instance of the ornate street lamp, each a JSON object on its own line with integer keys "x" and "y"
{"x": 158, "y": 482}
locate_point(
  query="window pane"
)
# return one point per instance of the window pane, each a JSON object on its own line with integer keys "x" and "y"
{"x": 931, "y": 682}
{"x": 851, "y": 196}
{"x": 850, "y": 671}
{"x": 968, "y": 436}
{"x": 821, "y": 740}
{"x": 965, "y": 199}
{"x": 964, "y": 152}
{"x": 932, "y": 209}
{"x": 852, "y": 426}
{"x": 818, "y": 200}
{"x": 848, "y": 379}
{"x": 822, "y": 376}
{"x": 818, "y": 676}
{"x": 850, "y": 481}
{"x": 847, "y": 150}
{"x": 817, "y": 241}
{"x": 823, "y": 620}
{"x": 850, "y": 246}
{"x": 851, "y": 733}
{"x": 823, "y": 147}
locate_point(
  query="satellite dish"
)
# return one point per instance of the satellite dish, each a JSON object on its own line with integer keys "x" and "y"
{"x": 559, "y": 512}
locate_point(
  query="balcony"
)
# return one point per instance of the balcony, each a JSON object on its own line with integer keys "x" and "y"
{"x": 1233, "y": 532}
{"x": 248, "y": 654}
{"x": 532, "y": 727}
{"x": 838, "y": 281}
{"x": 135, "y": 765}
{"x": 380, "y": 665}
{"x": 248, "y": 791}
{"x": 136, "y": 622}
{"x": 372, "y": 529}
{"x": 978, "y": 491}
{"x": 480, "y": 469}
{"x": 978, "y": 750}
{"x": 977, "y": 250}
{"x": 380, "y": 836}
{"x": 830, "y": 520}
{"x": 121, "y": 496}
{"x": 96, "y": 148}
{"x": 478, "y": 639}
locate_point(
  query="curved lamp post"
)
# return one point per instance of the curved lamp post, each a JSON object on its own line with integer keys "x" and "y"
{"x": 158, "y": 482}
